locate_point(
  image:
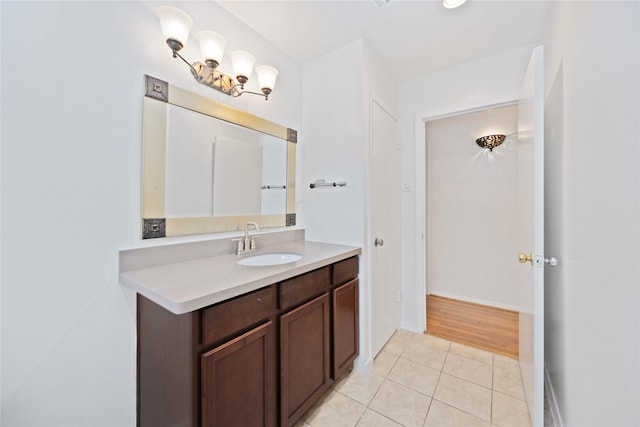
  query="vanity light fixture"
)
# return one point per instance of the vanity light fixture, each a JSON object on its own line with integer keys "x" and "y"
{"x": 451, "y": 4}
{"x": 176, "y": 25}
{"x": 490, "y": 141}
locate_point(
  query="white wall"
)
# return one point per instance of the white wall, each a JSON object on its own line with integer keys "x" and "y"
{"x": 338, "y": 88}
{"x": 471, "y": 208}
{"x": 72, "y": 88}
{"x": 592, "y": 322}
{"x": 470, "y": 86}
{"x": 334, "y": 143}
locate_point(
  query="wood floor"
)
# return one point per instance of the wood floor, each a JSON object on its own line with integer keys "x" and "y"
{"x": 480, "y": 326}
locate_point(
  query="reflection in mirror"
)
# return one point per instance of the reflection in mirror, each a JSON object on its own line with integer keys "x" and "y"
{"x": 208, "y": 167}
{"x": 215, "y": 168}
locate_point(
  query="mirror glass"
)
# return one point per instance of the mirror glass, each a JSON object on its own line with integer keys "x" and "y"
{"x": 216, "y": 168}
{"x": 208, "y": 167}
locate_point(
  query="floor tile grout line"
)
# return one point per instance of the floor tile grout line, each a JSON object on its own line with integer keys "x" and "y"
{"x": 382, "y": 415}
{"x": 461, "y": 410}
{"x": 435, "y": 389}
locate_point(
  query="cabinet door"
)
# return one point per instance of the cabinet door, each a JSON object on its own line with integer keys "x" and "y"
{"x": 345, "y": 326}
{"x": 238, "y": 381}
{"x": 304, "y": 357}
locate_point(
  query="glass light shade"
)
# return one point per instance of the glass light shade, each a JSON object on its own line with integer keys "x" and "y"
{"x": 242, "y": 63}
{"x": 211, "y": 45}
{"x": 266, "y": 76}
{"x": 491, "y": 141}
{"x": 175, "y": 24}
{"x": 450, "y": 4}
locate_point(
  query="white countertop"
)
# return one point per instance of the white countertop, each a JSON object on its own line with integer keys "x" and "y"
{"x": 185, "y": 286}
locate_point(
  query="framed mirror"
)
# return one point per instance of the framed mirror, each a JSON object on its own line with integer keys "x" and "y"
{"x": 208, "y": 167}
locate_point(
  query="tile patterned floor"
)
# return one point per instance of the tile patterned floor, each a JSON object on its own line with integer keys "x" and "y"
{"x": 419, "y": 380}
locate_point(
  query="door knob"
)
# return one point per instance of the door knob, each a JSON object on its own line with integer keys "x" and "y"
{"x": 522, "y": 258}
{"x": 378, "y": 242}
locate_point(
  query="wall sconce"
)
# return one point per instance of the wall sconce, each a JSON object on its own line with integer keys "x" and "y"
{"x": 490, "y": 141}
{"x": 175, "y": 28}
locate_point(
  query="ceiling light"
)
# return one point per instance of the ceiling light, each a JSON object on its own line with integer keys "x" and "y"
{"x": 451, "y": 4}
{"x": 490, "y": 141}
{"x": 176, "y": 26}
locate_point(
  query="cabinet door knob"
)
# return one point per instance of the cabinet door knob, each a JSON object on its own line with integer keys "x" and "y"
{"x": 378, "y": 242}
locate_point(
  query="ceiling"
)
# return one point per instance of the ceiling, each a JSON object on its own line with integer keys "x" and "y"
{"x": 413, "y": 37}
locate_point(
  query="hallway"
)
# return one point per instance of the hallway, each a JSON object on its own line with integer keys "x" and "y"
{"x": 420, "y": 380}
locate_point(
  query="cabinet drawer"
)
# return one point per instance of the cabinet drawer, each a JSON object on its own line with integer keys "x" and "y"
{"x": 305, "y": 287}
{"x": 223, "y": 320}
{"x": 345, "y": 270}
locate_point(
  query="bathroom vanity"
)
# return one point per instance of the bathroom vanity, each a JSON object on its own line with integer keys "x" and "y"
{"x": 236, "y": 345}
{"x": 226, "y": 338}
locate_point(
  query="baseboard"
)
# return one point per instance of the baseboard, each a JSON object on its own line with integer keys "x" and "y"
{"x": 362, "y": 366}
{"x": 475, "y": 301}
{"x": 412, "y": 327}
{"x": 553, "y": 403}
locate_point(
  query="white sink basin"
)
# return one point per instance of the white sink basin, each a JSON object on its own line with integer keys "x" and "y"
{"x": 275, "y": 258}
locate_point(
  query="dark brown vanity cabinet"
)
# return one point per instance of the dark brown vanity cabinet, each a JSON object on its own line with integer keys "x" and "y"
{"x": 305, "y": 342}
{"x": 238, "y": 381}
{"x": 319, "y": 338}
{"x": 345, "y": 327}
{"x": 345, "y": 315}
{"x": 261, "y": 359}
{"x": 211, "y": 367}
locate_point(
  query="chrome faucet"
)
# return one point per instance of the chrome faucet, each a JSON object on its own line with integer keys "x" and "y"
{"x": 247, "y": 244}
{"x": 250, "y": 244}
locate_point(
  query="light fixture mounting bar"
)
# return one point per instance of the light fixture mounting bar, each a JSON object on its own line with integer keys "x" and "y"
{"x": 214, "y": 79}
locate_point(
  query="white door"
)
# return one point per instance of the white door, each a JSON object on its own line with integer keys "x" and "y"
{"x": 531, "y": 234}
{"x": 384, "y": 227}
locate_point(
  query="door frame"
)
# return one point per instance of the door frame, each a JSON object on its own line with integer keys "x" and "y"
{"x": 420, "y": 144}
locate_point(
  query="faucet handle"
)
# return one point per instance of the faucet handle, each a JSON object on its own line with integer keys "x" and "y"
{"x": 241, "y": 246}
{"x": 252, "y": 243}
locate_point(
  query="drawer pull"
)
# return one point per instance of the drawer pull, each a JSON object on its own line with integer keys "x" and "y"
{"x": 259, "y": 299}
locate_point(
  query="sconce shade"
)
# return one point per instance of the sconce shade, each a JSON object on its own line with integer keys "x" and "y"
{"x": 242, "y": 63}
{"x": 451, "y": 4}
{"x": 490, "y": 141}
{"x": 212, "y": 47}
{"x": 266, "y": 77}
{"x": 175, "y": 26}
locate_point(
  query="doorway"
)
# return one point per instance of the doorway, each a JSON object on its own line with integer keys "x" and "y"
{"x": 471, "y": 214}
